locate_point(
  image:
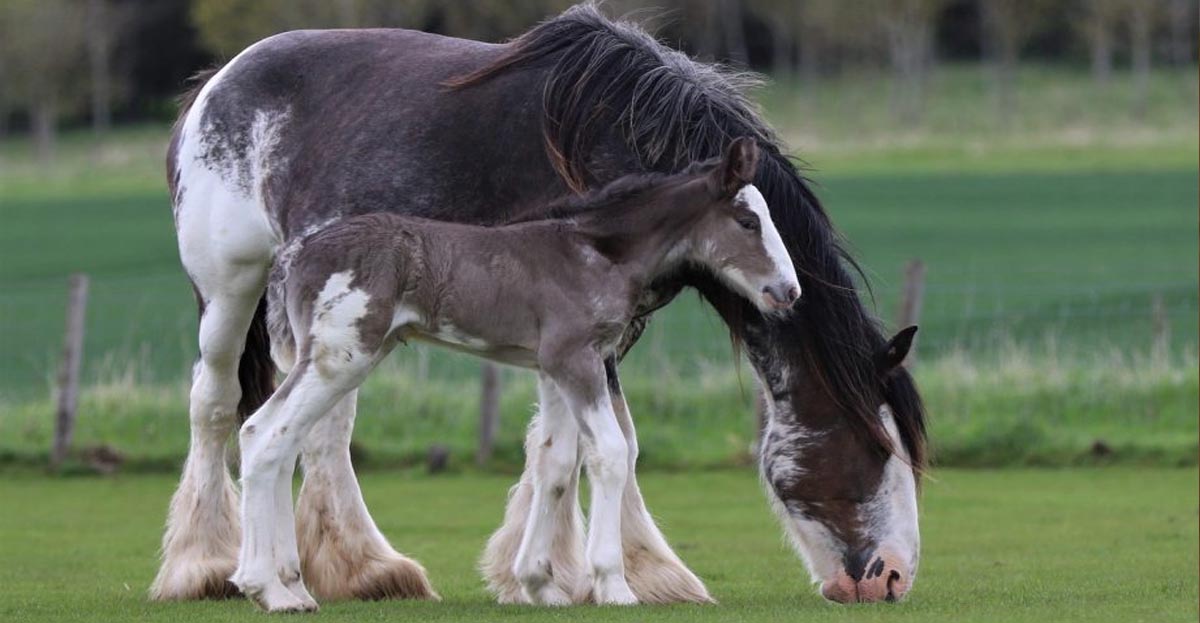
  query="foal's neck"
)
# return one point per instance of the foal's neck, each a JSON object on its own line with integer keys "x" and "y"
{"x": 644, "y": 234}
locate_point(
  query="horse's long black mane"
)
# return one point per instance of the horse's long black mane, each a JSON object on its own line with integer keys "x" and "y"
{"x": 672, "y": 111}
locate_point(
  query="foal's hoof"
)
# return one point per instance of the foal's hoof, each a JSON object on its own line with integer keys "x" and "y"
{"x": 273, "y": 596}
{"x": 613, "y": 591}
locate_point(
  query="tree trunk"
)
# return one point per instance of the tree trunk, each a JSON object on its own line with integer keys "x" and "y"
{"x": 99, "y": 50}
{"x": 810, "y": 58}
{"x": 1102, "y": 53}
{"x": 44, "y": 121}
{"x": 733, "y": 31}
{"x": 1139, "y": 30}
{"x": 1181, "y": 19}
{"x": 781, "y": 51}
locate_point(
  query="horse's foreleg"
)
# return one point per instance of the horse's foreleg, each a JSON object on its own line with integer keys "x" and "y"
{"x": 342, "y": 552}
{"x": 654, "y": 572}
{"x": 566, "y": 557}
{"x": 199, "y": 550}
{"x": 547, "y": 550}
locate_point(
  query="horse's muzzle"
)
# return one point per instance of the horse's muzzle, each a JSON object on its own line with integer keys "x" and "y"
{"x": 881, "y": 578}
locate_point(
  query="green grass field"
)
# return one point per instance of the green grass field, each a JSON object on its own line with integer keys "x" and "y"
{"x": 1091, "y": 545}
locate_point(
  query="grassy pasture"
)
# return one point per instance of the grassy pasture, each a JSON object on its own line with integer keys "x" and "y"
{"x": 1091, "y": 545}
{"x": 1046, "y": 241}
{"x": 1076, "y": 257}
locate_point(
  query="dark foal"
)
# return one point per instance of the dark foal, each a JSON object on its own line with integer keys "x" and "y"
{"x": 554, "y": 294}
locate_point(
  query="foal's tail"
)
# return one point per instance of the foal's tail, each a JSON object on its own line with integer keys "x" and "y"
{"x": 256, "y": 368}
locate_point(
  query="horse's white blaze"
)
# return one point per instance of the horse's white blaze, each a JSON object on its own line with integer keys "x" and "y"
{"x": 337, "y": 310}
{"x": 891, "y": 514}
{"x": 771, "y": 239}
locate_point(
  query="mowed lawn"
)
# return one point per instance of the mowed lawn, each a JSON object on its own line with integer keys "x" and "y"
{"x": 1070, "y": 545}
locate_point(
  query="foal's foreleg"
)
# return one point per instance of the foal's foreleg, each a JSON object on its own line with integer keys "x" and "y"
{"x": 342, "y": 552}
{"x": 545, "y": 554}
{"x": 654, "y": 572}
{"x": 581, "y": 381}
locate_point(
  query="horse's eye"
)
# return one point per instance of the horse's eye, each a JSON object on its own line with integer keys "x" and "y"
{"x": 749, "y": 223}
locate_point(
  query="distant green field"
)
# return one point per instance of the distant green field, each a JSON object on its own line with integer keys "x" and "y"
{"x": 1073, "y": 257}
{"x": 1052, "y": 545}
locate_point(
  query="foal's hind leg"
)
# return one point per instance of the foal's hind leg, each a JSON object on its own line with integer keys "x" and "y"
{"x": 343, "y": 553}
{"x": 654, "y": 572}
{"x": 199, "y": 550}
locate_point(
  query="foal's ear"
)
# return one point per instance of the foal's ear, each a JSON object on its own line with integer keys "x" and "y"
{"x": 737, "y": 168}
{"x": 893, "y": 353}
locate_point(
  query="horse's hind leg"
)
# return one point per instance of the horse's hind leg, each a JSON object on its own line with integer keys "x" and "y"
{"x": 342, "y": 552}
{"x": 654, "y": 572}
{"x": 199, "y": 550}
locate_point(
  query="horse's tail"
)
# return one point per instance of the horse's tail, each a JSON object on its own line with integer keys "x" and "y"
{"x": 256, "y": 368}
{"x": 195, "y": 83}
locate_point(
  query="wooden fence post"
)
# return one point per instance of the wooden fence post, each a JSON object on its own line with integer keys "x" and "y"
{"x": 910, "y": 301}
{"x": 68, "y": 370}
{"x": 489, "y": 412}
{"x": 1162, "y": 329}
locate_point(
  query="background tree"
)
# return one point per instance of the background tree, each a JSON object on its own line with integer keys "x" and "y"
{"x": 1142, "y": 17}
{"x": 41, "y": 42}
{"x": 908, "y": 27}
{"x": 1007, "y": 26}
{"x": 1098, "y": 21}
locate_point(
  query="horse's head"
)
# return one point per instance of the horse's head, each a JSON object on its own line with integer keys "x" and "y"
{"x": 845, "y": 486}
{"x": 734, "y": 236}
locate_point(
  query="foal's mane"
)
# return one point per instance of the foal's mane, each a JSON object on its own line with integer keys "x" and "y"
{"x": 672, "y": 111}
{"x": 620, "y": 192}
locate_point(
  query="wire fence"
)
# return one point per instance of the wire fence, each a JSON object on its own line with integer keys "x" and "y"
{"x": 144, "y": 326}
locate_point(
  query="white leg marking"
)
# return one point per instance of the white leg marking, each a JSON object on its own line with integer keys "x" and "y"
{"x": 606, "y": 455}
{"x": 553, "y": 475}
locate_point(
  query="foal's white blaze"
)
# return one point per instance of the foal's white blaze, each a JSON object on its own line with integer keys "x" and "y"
{"x": 771, "y": 239}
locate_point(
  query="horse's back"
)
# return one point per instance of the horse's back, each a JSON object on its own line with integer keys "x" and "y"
{"x": 320, "y": 124}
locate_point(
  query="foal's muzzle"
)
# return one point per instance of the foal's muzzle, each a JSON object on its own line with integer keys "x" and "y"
{"x": 781, "y": 295}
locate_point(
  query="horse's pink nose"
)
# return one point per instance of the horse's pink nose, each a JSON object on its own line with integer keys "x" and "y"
{"x": 881, "y": 580}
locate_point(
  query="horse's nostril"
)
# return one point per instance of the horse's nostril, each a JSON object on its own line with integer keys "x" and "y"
{"x": 893, "y": 577}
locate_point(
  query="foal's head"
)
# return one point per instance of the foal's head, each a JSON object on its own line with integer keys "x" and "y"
{"x": 733, "y": 235}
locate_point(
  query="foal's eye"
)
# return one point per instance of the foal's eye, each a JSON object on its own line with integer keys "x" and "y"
{"x": 749, "y": 223}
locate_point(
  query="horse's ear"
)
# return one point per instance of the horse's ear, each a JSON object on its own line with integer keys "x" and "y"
{"x": 738, "y": 167}
{"x": 893, "y": 353}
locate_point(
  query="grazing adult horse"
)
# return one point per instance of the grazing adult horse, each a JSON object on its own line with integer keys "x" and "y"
{"x": 553, "y": 294}
{"x": 306, "y": 127}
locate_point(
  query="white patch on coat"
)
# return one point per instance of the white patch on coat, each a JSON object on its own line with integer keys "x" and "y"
{"x": 771, "y": 240}
{"x": 336, "y": 312}
{"x": 812, "y": 541}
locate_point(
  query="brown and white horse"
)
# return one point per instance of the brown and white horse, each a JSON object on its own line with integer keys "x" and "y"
{"x": 308, "y": 127}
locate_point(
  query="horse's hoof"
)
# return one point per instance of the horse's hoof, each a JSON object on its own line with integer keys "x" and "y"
{"x": 658, "y": 581}
{"x": 195, "y": 579}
